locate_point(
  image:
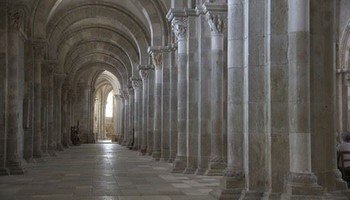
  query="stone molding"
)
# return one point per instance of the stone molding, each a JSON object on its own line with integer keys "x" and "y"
{"x": 59, "y": 79}
{"x": 144, "y": 74}
{"x": 216, "y": 14}
{"x": 39, "y": 48}
{"x": 301, "y": 178}
{"x": 234, "y": 173}
{"x": 136, "y": 82}
{"x": 16, "y": 18}
{"x": 346, "y": 72}
{"x": 50, "y": 66}
{"x": 179, "y": 26}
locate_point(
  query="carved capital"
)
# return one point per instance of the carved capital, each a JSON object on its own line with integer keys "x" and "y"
{"x": 136, "y": 83}
{"x": 216, "y": 14}
{"x": 217, "y": 22}
{"x": 16, "y": 17}
{"x": 179, "y": 25}
{"x": 59, "y": 79}
{"x": 157, "y": 59}
{"x": 51, "y": 66}
{"x": 39, "y": 48}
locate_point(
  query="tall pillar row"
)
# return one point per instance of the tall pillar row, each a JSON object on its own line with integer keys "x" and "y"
{"x": 58, "y": 82}
{"x": 144, "y": 71}
{"x": 3, "y": 88}
{"x": 15, "y": 44}
{"x": 137, "y": 86}
{"x": 217, "y": 21}
{"x": 179, "y": 23}
{"x": 157, "y": 58}
{"x": 39, "y": 51}
{"x": 131, "y": 136}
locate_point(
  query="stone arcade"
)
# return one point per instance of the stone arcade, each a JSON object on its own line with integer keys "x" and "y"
{"x": 254, "y": 91}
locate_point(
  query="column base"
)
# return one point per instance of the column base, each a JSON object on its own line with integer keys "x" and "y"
{"x": 216, "y": 168}
{"x": 52, "y": 153}
{"x": 156, "y": 155}
{"x": 338, "y": 195}
{"x": 143, "y": 151}
{"x": 179, "y": 165}
{"x": 271, "y": 196}
{"x": 150, "y": 152}
{"x": 37, "y": 154}
{"x": 200, "y": 171}
{"x": 300, "y": 186}
{"x": 4, "y": 171}
{"x": 190, "y": 170}
{"x": 15, "y": 168}
{"x": 231, "y": 186}
{"x": 59, "y": 147}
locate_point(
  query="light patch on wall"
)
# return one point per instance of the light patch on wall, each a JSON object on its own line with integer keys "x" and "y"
{"x": 109, "y": 105}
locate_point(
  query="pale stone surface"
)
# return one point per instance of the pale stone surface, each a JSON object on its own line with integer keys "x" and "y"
{"x": 268, "y": 107}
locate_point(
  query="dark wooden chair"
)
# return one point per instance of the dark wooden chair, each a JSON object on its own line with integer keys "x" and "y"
{"x": 345, "y": 171}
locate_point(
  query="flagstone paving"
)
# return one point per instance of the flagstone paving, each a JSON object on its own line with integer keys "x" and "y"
{"x": 104, "y": 171}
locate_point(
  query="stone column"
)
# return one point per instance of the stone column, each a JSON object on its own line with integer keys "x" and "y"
{"x": 300, "y": 181}
{"x": 173, "y": 106}
{"x": 66, "y": 139}
{"x": 131, "y": 117}
{"x": 126, "y": 118}
{"x": 157, "y": 58}
{"x": 216, "y": 17}
{"x": 323, "y": 96}
{"x": 3, "y": 88}
{"x": 166, "y": 109}
{"x": 233, "y": 182}
{"x": 117, "y": 116}
{"x": 58, "y": 82}
{"x": 150, "y": 123}
{"x": 15, "y": 63}
{"x": 28, "y": 101}
{"x": 44, "y": 112}
{"x": 145, "y": 93}
{"x": 39, "y": 51}
{"x": 137, "y": 85}
{"x": 179, "y": 23}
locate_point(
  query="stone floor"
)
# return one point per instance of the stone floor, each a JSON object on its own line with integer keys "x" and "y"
{"x": 104, "y": 171}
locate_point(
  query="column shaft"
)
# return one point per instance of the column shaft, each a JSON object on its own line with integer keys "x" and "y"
{"x": 216, "y": 165}
{"x": 300, "y": 175}
{"x": 39, "y": 54}
{"x": 156, "y": 153}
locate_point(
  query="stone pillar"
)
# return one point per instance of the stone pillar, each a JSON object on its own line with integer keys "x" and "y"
{"x": 131, "y": 117}
{"x": 51, "y": 119}
{"x": 217, "y": 21}
{"x": 66, "y": 125}
{"x": 157, "y": 58}
{"x": 3, "y": 88}
{"x": 145, "y": 94}
{"x": 15, "y": 63}
{"x": 233, "y": 182}
{"x": 300, "y": 181}
{"x": 277, "y": 89}
{"x": 151, "y": 96}
{"x": 323, "y": 98}
{"x": 179, "y": 23}
{"x": 39, "y": 51}
{"x": 126, "y": 118}
{"x": 28, "y": 101}
{"x": 166, "y": 109}
{"x": 173, "y": 106}
{"x": 137, "y": 85}
{"x": 58, "y": 82}
{"x": 44, "y": 112}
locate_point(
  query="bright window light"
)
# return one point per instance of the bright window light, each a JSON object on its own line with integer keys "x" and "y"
{"x": 109, "y": 106}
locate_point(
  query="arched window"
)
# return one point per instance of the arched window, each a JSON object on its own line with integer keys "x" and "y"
{"x": 109, "y": 105}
